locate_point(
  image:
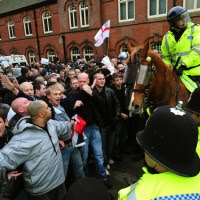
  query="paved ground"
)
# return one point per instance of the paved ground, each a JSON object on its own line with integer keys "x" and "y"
{"x": 122, "y": 173}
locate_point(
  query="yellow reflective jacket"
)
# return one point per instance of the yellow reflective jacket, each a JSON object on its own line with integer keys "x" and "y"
{"x": 163, "y": 186}
{"x": 198, "y": 144}
{"x": 188, "y": 48}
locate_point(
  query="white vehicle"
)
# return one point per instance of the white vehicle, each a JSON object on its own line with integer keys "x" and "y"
{"x": 14, "y": 60}
{"x": 3, "y": 59}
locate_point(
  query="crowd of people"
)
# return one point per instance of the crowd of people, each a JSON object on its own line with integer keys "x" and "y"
{"x": 54, "y": 117}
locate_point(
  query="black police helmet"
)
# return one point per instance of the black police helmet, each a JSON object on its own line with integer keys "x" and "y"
{"x": 170, "y": 138}
{"x": 174, "y": 13}
{"x": 193, "y": 104}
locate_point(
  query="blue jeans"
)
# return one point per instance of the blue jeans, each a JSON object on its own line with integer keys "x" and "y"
{"x": 73, "y": 155}
{"x": 94, "y": 139}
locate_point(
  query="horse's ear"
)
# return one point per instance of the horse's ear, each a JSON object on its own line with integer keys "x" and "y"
{"x": 144, "y": 51}
{"x": 130, "y": 48}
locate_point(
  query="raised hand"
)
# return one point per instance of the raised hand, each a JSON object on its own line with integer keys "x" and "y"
{"x": 14, "y": 174}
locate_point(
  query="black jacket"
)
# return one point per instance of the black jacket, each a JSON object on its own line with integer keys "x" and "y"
{"x": 88, "y": 111}
{"x": 109, "y": 108}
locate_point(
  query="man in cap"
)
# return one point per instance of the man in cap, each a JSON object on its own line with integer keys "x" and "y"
{"x": 169, "y": 140}
{"x": 193, "y": 108}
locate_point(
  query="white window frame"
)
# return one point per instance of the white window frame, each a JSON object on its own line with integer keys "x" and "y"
{"x": 72, "y": 11}
{"x": 88, "y": 51}
{"x": 126, "y": 2}
{"x": 11, "y": 29}
{"x": 194, "y": 6}
{"x": 156, "y": 46}
{"x": 75, "y": 53}
{"x": 27, "y": 26}
{"x": 124, "y": 48}
{"x": 51, "y": 55}
{"x": 31, "y": 56}
{"x": 83, "y": 8}
{"x": 157, "y": 10}
{"x": 46, "y": 19}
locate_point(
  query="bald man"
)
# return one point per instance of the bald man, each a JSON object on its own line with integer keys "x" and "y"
{"x": 81, "y": 102}
{"x": 27, "y": 88}
{"x": 35, "y": 146}
{"x": 20, "y": 107}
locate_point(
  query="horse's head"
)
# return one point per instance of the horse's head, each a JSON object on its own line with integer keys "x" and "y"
{"x": 137, "y": 67}
{"x": 154, "y": 82}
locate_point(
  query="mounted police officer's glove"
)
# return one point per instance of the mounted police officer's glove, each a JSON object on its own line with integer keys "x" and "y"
{"x": 180, "y": 70}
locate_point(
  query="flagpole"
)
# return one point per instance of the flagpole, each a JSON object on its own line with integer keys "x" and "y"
{"x": 108, "y": 43}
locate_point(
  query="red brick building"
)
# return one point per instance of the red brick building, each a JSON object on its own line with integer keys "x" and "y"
{"x": 66, "y": 28}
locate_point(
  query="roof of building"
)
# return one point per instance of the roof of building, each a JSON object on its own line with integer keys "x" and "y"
{"x": 13, "y": 6}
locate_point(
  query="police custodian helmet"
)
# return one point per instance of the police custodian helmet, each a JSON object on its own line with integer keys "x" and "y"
{"x": 170, "y": 138}
{"x": 177, "y": 13}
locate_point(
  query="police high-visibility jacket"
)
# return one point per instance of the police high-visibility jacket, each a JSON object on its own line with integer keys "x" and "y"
{"x": 163, "y": 186}
{"x": 198, "y": 144}
{"x": 188, "y": 48}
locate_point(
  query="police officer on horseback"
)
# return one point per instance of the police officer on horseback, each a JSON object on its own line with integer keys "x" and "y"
{"x": 181, "y": 47}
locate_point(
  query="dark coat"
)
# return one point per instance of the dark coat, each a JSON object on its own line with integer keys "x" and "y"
{"x": 88, "y": 111}
{"x": 112, "y": 109}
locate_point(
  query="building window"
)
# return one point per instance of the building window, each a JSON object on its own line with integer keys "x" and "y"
{"x": 27, "y": 26}
{"x": 157, "y": 8}
{"x": 124, "y": 49}
{"x": 11, "y": 29}
{"x": 47, "y": 22}
{"x": 31, "y": 56}
{"x": 51, "y": 55}
{"x": 84, "y": 14}
{"x": 72, "y": 16}
{"x": 75, "y": 54}
{"x": 126, "y": 10}
{"x": 192, "y": 4}
{"x": 88, "y": 53}
{"x": 156, "y": 46}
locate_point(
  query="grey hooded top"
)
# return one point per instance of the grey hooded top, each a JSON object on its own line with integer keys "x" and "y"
{"x": 41, "y": 160}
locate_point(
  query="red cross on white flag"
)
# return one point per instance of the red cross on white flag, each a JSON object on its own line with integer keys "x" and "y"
{"x": 103, "y": 33}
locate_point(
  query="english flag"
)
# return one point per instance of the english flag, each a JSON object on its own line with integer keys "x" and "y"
{"x": 103, "y": 33}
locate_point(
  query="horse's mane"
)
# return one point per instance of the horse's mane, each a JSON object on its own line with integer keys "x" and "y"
{"x": 158, "y": 61}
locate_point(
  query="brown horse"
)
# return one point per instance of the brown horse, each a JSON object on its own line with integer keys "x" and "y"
{"x": 160, "y": 84}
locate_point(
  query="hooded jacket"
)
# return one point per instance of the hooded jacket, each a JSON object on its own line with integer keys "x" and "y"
{"x": 38, "y": 153}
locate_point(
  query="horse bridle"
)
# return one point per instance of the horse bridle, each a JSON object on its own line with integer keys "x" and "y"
{"x": 146, "y": 102}
{"x": 151, "y": 70}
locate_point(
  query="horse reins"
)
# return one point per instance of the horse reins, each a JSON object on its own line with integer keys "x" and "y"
{"x": 145, "y": 91}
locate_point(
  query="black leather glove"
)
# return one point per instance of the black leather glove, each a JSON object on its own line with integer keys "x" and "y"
{"x": 180, "y": 70}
